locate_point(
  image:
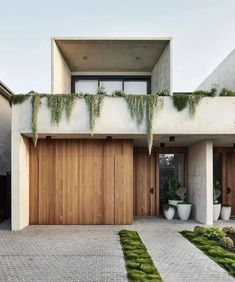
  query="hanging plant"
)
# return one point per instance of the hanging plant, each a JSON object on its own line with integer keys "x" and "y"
{"x": 36, "y": 103}
{"x": 180, "y": 101}
{"x": 136, "y": 106}
{"x": 58, "y": 104}
{"x": 193, "y": 101}
{"x": 153, "y": 103}
{"x": 94, "y": 104}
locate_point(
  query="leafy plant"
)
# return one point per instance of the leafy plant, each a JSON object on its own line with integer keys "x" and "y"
{"x": 193, "y": 102}
{"x": 136, "y": 106}
{"x": 163, "y": 93}
{"x": 101, "y": 90}
{"x": 118, "y": 93}
{"x": 199, "y": 230}
{"x": 226, "y": 242}
{"x": 229, "y": 230}
{"x": 36, "y": 104}
{"x": 18, "y": 99}
{"x": 214, "y": 233}
{"x": 180, "y": 101}
{"x": 216, "y": 191}
{"x": 172, "y": 191}
{"x": 94, "y": 104}
{"x": 227, "y": 93}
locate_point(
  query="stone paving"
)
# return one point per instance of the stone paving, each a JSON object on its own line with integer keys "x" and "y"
{"x": 93, "y": 253}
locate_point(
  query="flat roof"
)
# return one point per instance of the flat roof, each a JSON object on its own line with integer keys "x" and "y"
{"x": 92, "y": 54}
{"x": 5, "y": 91}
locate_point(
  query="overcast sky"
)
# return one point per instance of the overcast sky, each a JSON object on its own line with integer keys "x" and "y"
{"x": 203, "y": 32}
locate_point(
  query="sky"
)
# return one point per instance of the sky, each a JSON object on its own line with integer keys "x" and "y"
{"x": 203, "y": 34}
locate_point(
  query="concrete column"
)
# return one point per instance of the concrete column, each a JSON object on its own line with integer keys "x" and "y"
{"x": 20, "y": 176}
{"x": 200, "y": 175}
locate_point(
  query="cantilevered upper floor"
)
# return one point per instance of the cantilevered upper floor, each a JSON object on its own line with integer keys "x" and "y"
{"x": 134, "y": 65}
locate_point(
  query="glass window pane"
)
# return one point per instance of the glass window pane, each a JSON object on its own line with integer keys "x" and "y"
{"x": 135, "y": 87}
{"x": 111, "y": 86}
{"x": 86, "y": 86}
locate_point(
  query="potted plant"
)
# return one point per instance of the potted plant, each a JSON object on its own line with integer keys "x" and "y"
{"x": 225, "y": 212}
{"x": 184, "y": 210}
{"x": 216, "y": 204}
{"x": 169, "y": 211}
{"x": 172, "y": 192}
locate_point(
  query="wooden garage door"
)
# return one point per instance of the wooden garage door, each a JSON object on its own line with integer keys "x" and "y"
{"x": 81, "y": 182}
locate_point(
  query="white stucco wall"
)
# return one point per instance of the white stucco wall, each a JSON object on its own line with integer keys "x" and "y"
{"x": 213, "y": 116}
{"x": 5, "y": 136}
{"x": 60, "y": 72}
{"x": 162, "y": 72}
{"x": 200, "y": 175}
{"x": 223, "y": 76}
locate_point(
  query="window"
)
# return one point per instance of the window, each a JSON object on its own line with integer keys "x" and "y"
{"x": 111, "y": 86}
{"x": 135, "y": 87}
{"x": 129, "y": 84}
{"x": 86, "y": 86}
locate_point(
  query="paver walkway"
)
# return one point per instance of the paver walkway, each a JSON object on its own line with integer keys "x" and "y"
{"x": 93, "y": 253}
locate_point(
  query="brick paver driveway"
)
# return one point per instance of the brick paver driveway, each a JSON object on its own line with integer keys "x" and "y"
{"x": 93, "y": 253}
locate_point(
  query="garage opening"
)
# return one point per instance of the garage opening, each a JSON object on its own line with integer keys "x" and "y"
{"x": 81, "y": 182}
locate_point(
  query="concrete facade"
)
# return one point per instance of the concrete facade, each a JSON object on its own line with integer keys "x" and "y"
{"x": 223, "y": 76}
{"x": 200, "y": 175}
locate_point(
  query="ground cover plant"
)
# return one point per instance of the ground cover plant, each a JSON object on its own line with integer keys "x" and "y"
{"x": 216, "y": 243}
{"x": 139, "y": 264}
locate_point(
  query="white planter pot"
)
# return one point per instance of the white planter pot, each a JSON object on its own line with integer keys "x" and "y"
{"x": 174, "y": 203}
{"x": 216, "y": 211}
{"x": 225, "y": 212}
{"x": 169, "y": 213}
{"x": 184, "y": 211}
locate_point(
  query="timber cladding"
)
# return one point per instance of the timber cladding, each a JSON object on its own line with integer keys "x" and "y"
{"x": 81, "y": 182}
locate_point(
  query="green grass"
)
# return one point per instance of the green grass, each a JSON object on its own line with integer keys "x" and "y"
{"x": 222, "y": 257}
{"x": 139, "y": 264}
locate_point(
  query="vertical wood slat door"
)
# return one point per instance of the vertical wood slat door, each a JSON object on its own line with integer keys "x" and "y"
{"x": 230, "y": 181}
{"x": 81, "y": 182}
{"x": 146, "y": 196}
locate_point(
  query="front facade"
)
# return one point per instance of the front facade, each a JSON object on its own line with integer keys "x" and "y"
{"x": 73, "y": 177}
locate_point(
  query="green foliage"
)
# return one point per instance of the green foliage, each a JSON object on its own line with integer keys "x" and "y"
{"x": 94, "y": 104}
{"x": 227, "y": 93}
{"x": 203, "y": 93}
{"x": 118, "y": 93}
{"x": 216, "y": 191}
{"x": 193, "y": 102}
{"x": 153, "y": 104}
{"x": 172, "y": 190}
{"x": 101, "y": 90}
{"x": 214, "y": 248}
{"x": 214, "y": 233}
{"x": 229, "y": 230}
{"x": 36, "y": 104}
{"x": 139, "y": 264}
{"x": 136, "y": 106}
{"x": 226, "y": 242}
{"x": 58, "y": 104}
{"x": 163, "y": 93}
{"x": 18, "y": 99}
{"x": 199, "y": 230}
{"x": 180, "y": 101}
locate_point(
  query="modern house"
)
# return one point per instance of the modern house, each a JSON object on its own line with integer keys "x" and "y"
{"x": 73, "y": 177}
{"x": 5, "y": 145}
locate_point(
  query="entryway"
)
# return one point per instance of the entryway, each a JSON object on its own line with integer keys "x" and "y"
{"x": 152, "y": 174}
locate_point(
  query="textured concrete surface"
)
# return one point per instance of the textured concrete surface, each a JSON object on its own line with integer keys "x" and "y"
{"x": 93, "y": 253}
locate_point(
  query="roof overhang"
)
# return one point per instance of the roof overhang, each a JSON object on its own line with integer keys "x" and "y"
{"x": 111, "y": 54}
{"x": 5, "y": 91}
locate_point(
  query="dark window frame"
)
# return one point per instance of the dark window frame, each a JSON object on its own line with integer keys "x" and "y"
{"x": 123, "y": 78}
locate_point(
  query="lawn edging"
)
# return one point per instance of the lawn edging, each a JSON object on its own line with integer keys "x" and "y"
{"x": 222, "y": 257}
{"x": 139, "y": 264}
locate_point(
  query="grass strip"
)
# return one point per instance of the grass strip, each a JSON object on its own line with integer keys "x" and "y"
{"x": 222, "y": 257}
{"x": 139, "y": 264}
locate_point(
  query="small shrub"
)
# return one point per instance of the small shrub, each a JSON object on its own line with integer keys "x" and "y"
{"x": 226, "y": 242}
{"x": 229, "y": 230}
{"x": 226, "y": 93}
{"x": 137, "y": 275}
{"x": 199, "y": 230}
{"x": 118, "y": 93}
{"x": 214, "y": 233}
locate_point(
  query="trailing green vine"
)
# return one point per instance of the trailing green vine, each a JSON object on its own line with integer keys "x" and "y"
{"x": 58, "y": 104}
{"x": 94, "y": 104}
{"x": 180, "y": 101}
{"x": 136, "y": 106}
{"x": 36, "y": 103}
{"x": 193, "y": 101}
